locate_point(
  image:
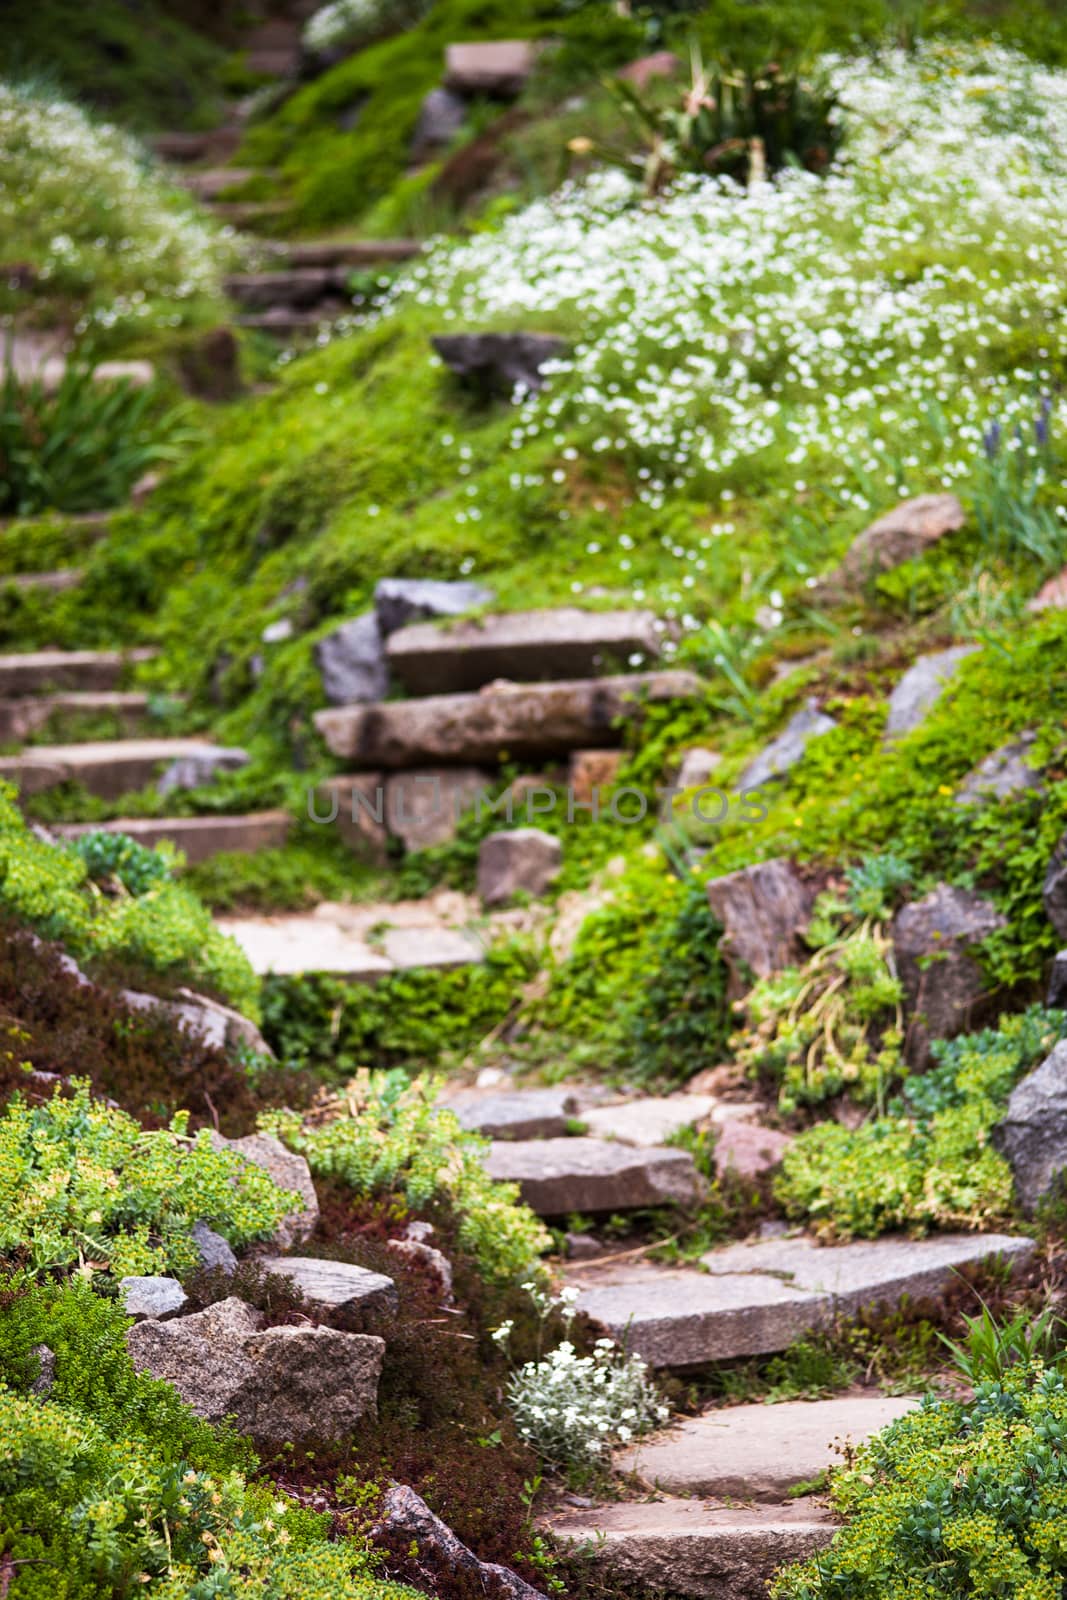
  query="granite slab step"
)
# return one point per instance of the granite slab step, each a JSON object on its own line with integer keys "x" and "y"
{"x": 560, "y": 1176}
{"x": 23, "y": 716}
{"x": 57, "y": 582}
{"x": 520, "y": 720}
{"x": 524, "y": 646}
{"x": 299, "y": 287}
{"x": 198, "y": 838}
{"x": 211, "y": 182}
{"x": 357, "y": 943}
{"x": 695, "y": 1548}
{"x": 106, "y": 768}
{"x": 756, "y": 1299}
{"x": 760, "y": 1452}
{"x": 282, "y": 322}
{"x": 347, "y": 252}
{"x": 46, "y": 671}
{"x": 335, "y": 1285}
{"x": 247, "y": 213}
{"x": 513, "y": 1113}
{"x": 650, "y": 1121}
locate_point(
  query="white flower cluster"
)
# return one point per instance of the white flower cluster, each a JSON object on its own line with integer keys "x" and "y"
{"x": 573, "y": 1409}
{"x": 80, "y": 200}
{"x": 859, "y": 329}
{"x": 344, "y": 22}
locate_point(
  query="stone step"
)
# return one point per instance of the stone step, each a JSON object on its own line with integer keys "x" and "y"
{"x": 107, "y": 768}
{"x": 360, "y": 943}
{"x": 650, "y": 1121}
{"x": 247, "y": 213}
{"x": 527, "y": 646}
{"x": 180, "y": 146}
{"x": 514, "y": 1113}
{"x": 346, "y": 252}
{"x": 283, "y": 323}
{"x": 271, "y": 62}
{"x": 198, "y": 838}
{"x": 522, "y": 722}
{"x": 695, "y": 1548}
{"x": 47, "y": 582}
{"x": 46, "y": 671}
{"x": 299, "y": 287}
{"x": 759, "y": 1452}
{"x": 212, "y": 182}
{"x": 22, "y": 717}
{"x": 755, "y": 1299}
{"x": 559, "y": 1176}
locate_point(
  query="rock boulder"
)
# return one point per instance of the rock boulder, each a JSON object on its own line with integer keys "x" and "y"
{"x": 1032, "y": 1137}
{"x": 943, "y": 983}
{"x": 763, "y": 910}
{"x": 522, "y": 860}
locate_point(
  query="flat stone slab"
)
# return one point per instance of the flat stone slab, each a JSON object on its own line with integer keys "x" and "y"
{"x": 335, "y": 1284}
{"x": 361, "y": 943}
{"x": 23, "y": 716}
{"x": 348, "y": 252}
{"x": 516, "y": 720}
{"x": 783, "y": 753}
{"x": 152, "y": 1297}
{"x": 299, "y": 286}
{"x": 514, "y": 1113}
{"x": 489, "y": 66}
{"x": 557, "y": 1176}
{"x": 1003, "y": 775}
{"x": 647, "y": 1122}
{"x": 43, "y": 671}
{"x": 108, "y": 768}
{"x": 198, "y": 838}
{"x": 695, "y": 1547}
{"x": 759, "y": 1452}
{"x": 754, "y": 1299}
{"x": 523, "y": 645}
{"x": 921, "y": 688}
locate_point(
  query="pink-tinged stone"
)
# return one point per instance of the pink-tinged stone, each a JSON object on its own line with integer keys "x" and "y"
{"x": 748, "y": 1150}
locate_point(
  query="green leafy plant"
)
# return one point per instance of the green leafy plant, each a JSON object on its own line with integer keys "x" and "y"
{"x": 117, "y": 857}
{"x": 990, "y": 1348}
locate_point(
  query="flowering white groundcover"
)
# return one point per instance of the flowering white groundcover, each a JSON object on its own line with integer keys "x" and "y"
{"x": 861, "y": 328}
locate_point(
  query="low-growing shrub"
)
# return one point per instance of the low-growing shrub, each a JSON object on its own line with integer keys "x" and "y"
{"x": 84, "y": 1186}
{"x": 385, "y": 1134}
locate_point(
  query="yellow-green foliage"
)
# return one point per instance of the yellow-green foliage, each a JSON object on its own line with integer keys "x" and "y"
{"x": 166, "y": 927}
{"x": 954, "y": 1500}
{"x": 384, "y": 1134}
{"x": 82, "y": 1184}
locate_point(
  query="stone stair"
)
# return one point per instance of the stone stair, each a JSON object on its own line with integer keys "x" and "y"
{"x": 106, "y": 768}
{"x": 198, "y": 838}
{"x": 23, "y": 716}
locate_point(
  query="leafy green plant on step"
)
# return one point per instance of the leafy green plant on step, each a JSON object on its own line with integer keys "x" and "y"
{"x": 80, "y": 446}
{"x": 836, "y": 1023}
{"x": 990, "y": 1348}
{"x": 116, "y": 859}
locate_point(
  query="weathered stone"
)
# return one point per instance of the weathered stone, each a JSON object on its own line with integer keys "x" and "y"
{"x": 355, "y": 805}
{"x": 1057, "y": 983}
{"x": 416, "y": 1248}
{"x": 106, "y": 768}
{"x": 281, "y": 1385}
{"x": 522, "y": 646}
{"x": 1033, "y": 1134}
{"x": 513, "y": 1113}
{"x": 27, "y": 715}
{"x": 592, "y": 771}
{"x": 763, "y": 910}
{"x": 441, "y": 116}
{"x": 423, "y": 808}
{"x": 407, "y": 1521}
{"x": 558, "y": 1176}
{"x": 520, "y": 721}
{"x": 289, "y": 1171}
{"x": 921, "y": 688}
{"x": 215, "y": 1025}
{"x": 198, "y": 838}
{"x": 1052, "y": 596}
{"x": 696, "y": 768}
{"x": 337, "y": 1285}
{"x": 776, "y": 759}
{"x": 943, "y": 983}
{"x": 498, "y": 67}
{"x": 152, "y": 1297}
{"x": 1054, "y": 892}
{"x": 499, "y": 363}
{"x": 582, "y": 1247}
{"x": 1003, "y": 775}
{"x": 647, "y": 1122}
{"x": 198, "y": 768}
{"x": 351, "y": 661}
{"x": 690, "y": 1549}
{"x": 753, "y": 1299}
{"x": 45, "y": 671}
{"x": 399, "y": 601}
{"x": 747, "y": 1150}
{"x": 214, "y": 1251}
{"x": 296, "y": 286}
{"x": 523, "y": 860}
{"x": 361, "y": 947}
{"x": 902, "y": 534}
{"x": 46, "y": 1370}
{"x": 760, "y": 1452}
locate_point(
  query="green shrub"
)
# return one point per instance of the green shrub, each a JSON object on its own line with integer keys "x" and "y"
{"x": 928, "y": 1163}
{"x": 165, "y": 927}
{"x": 956, "y": 1499}
{"x": 84, "y": 1186}
{"x": 116, "y": 855}
{"x": 384, "y": 1134}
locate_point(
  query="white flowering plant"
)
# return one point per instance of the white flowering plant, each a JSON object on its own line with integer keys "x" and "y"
{"x": 348, "y": 24}
{"x": 574, "y": 1409}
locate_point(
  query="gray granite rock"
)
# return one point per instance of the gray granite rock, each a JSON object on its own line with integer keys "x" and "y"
{"x": 441, "y": 116}
{"x": 1032, "y": 1137}
{"x": 423, "y": 807}
{"x": 281, "y": 1385}
{"x": 351, "y": 662}
{"x": 335, "y": 1285}
{"x": 513, "y": 1113}
{"x": 398, "y": 601}
{"x": 496, "y": 67}
{"x": 909, "y": 530}
{"x": 214, "y": 1251}
{"x": 748, "y": 1150}
{"x": 152, "y": 1297}
{"x": 558, "y": 1176}
{"x": 499, "y": 363}
{"x": 776, "y": 758}
{"x": 1003, "y": 775}
{"x": 697, "y": 766}
{"x": 195, "y": 770}
{"x": 406, "y": 1519}
{"x": 522, "y": 860}
{"x": 217, "y": 1026}
{"x": 1055, "y": 889}
{"x": 763, "y": 910}
{"x": 1057, "y": 983}
{"x": 649, "y": 1121}
{"x": 289, "y": 1171}
{"x": 921, "y": 688}
{"x": 46, "y": 1370}
{"x": 944, "y": 985}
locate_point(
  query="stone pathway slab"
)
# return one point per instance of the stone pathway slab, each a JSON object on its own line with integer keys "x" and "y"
{"x": 45, "y": 671}
{"x": 514, "y": 1113}
{"x": 647, "y": 1122}
{"x": 336, "y": 1285}
{"x": 557, "y": 1176}
{"x": 108, "y": 769}
{"x": 198, "y": 838}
